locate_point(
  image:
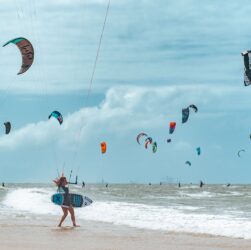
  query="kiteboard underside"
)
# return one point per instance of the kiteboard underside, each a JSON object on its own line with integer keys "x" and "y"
{"x": 77, "y": 200}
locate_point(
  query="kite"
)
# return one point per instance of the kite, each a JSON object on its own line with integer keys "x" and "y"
{"x": 193, "y": 107}
{"x": 185, "y": 112}
{"x": 149, "y": 139}
{"x": 139, "y": 136}
{"x": 188, "y": 163}
{"x": 154, "y": 147}
{"x": 198, "y": 151}
{"x": 57, "y": 115}
{"x": 147, "y": 142}
{"x": 26, "y": 50}
{"x": 247, "y": 71}
{"x": 103, "y": 147}
{"x": 172, "y": 126}
{"x": 242, "y": 150}
{"x": 7, "y": 127}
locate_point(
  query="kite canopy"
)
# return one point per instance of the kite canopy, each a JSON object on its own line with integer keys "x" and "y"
{"x": 188, "y": 163}
{"x": 247, "y": 72}
{"x": 193, "y": 107}
{"x": 185, "y": 115}
{"x": 172, "y": 126}
{"x": 139, "y": 136}
{"x": 57, "y": 115}
{"x": 239, "y": 152}
{"x": 26, "y": 50}
{"x": 7, "y": 127}
{"x": 185, "y": 112}
{"x": 155, "y": 147}
{"x": 198, "y": 151}
{"x": 103, "y": 147}
{"x": 147, "y": 141}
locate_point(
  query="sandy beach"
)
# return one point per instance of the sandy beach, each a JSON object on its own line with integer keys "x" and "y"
{"x": 23, "y": 234}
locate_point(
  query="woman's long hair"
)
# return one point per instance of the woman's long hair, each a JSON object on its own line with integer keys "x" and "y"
{"x": 59, "y": 181}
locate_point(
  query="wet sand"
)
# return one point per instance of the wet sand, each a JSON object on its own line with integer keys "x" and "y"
{"x": 36, "y": 234}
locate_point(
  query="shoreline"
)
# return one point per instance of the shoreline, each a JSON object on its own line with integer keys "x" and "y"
{"x": 39, "y": 234}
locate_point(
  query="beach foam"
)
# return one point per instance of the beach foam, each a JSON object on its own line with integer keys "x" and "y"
{"x": 30, "y": 200}
{"x": 178, "y": 218}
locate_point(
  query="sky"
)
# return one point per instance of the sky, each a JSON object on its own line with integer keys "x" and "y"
{"x": 156, "y": 57}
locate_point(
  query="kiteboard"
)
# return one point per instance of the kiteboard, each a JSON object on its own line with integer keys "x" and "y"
{"x": 77, "y": 200}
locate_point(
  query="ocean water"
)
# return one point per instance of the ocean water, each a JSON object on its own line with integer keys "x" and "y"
{"x": 213, "y": 209}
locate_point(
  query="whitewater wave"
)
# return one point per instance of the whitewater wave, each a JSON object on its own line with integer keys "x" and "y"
{"x": 37, "y": 201}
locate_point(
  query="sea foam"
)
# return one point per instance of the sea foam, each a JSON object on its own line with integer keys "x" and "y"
{"x": 170, "y": 217}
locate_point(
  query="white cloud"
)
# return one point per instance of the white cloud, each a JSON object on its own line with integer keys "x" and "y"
{"x": 124, "y": 109}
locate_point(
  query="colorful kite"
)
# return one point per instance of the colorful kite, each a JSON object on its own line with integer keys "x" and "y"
{"x": 26, "y": 50}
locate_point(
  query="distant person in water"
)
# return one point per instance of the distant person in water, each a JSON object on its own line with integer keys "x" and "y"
{"x": 228, "y": 185}
{"x": 150, "y": 184}
{"x": 106, "y": 185}
{"x": 179, "y": 185}
{"x": 160, "y": 183}
{"x": 67, "y": 206}
{"x": 201, "y": 184}
{"x": 3, "y": 185}
{"x": 83, "y": 184}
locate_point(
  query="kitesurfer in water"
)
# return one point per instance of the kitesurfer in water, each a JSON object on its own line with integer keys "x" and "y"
{"x": 67, "y": 206}
{"x": 201, "y": 184}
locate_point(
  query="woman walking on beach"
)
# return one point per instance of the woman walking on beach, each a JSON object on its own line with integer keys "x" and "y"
{"x": 67, "y": 206}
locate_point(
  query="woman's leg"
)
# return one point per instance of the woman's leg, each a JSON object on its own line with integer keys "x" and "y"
{"x": 71, "y": 210}
{"x": 65, "y": 210}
